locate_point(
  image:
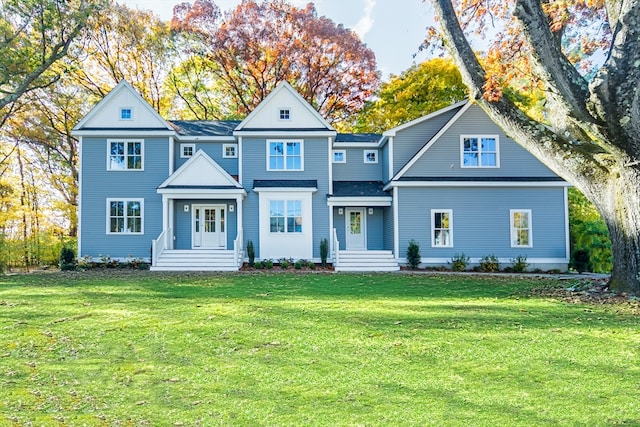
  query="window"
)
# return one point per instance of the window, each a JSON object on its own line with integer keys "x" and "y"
{"x": 285, "y": 216}
{"x": 284, "y": 155}
{"x": 124, "y": 216}
{"x": 371, "y": 156}
{"x": 125, "y": 155}
{"x": 339, "y": 156}
{"x": 442, "y": 228}
{"x": 229, "y": 151}
{"x": 521, "y": 228}
{"x": 187, "y": 150}
{"x": 480, "y": 151}
{"x": 285, "y": 114}
{"x": 126, "y": 114}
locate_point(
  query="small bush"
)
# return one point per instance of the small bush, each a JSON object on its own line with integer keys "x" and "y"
{"x": 459, "y": 262}
{"x": 519, "y": 264}
{"x": 413, "y": 254}
{"x": 284, "y": 263}
{"x": 257, "y": 265}
{"x": 311, "y": 265}
{"x": 297, "y": 265}
{"x": 581, "y": 260}
{"x": 67, "y": 259}
{"x": 489, "y": 264}
{"x": 268, "y": 264}
{"x": 251, "y": 253}
{"x": 324, "y": 251}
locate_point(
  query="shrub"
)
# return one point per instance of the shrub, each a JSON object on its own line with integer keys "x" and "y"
{"x": 67, "y": 259}
{"x": 257, "y": 265}
{"x": 251, "y": 253}
{"x": 284, "y": 263}
{"x": 459, "y": 262}
{"x": 489, "y": 263}
{"x": 413, "y": 254}
{"x": 268, "y": 264}
{"x": 297, "y": 265}
{"x": 519, "y": 264}
{"x": 324, "y": 251}
{"x": 311, "y": 265}
{"x": 581, "y": 260}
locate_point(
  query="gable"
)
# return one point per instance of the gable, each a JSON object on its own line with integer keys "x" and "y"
{"x": 441, "y": 155}
{"x": 109, "y": 114}
{"x": 200, "y": 171}
{"x": 284, "y": 108}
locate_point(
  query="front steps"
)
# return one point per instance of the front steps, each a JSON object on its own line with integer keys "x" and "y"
{"x": 196, "y": 260}
{"x": 366, "y": 261}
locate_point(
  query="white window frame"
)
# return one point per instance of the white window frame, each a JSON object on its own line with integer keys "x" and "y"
{"x": 285, "y": 142}
{"x": 344, "y": 156}
{"x": 183, "y": 147}
{"x": 284, "y": 114}
{"x": 122, "y": 110}
{"x": 434, "y": 244}
{"x": 126, "y": 143}
{"x": 287, "y": 214}
{"x": 365, "y": 156}
{"x": 514, "y": 230}
{"x": 126, "y": 218}
{"x": 480, "y": 165}
{"x": 226, "y": 155}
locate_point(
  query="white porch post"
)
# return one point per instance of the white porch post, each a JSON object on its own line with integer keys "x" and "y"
{"x": 169, "y": 225}
{"x": 239, "y": 214}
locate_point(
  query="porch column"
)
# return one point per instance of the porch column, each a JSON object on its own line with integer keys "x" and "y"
{"x": 239, "y": 216}
{"x": 170, "y": 223}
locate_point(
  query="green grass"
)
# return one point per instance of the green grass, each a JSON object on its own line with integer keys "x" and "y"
{"x": 141, "y": 348}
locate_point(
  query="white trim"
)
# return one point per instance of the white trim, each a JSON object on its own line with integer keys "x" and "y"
{"x": 479, "y": 137}
{"x": 503, "y": 261}
{"x": 363, "y": 228}
{"x": 390, "y": 160}
{"x": 433, "y": 226}
{"x": 125, "y": 200}
{"x": 392, "y": 132}
{"x": 396, "y": 223}
{"x": 529, "y": 229}
{"x": 116, "y": 133}
{"x": 360, "y": 201}
{"x": 240, "y": 161}
{"x": 80, "y": 196}
{"x": 284, "y": 154}
{"x": 227, "y": 179}
{"x": 371, "y": 145}
{"x": 201, "y": 193}
{"x": 466, "y": 184}
{"x": 286, "y": 110}
{"x": 182, "y": 148}
{"x": 433, "y": 140}
{"x": 171, "y": 154}
{"x": 344, "y": 156}
{"x": 330, "y": 168}
{"x": 207, "y": 138}
{"x": 370, "y": 162}
{"x": 126, "y": 142}
{"x": 287, "y": 132}
{"x": 222, "y": 207}
{"x": 224, "y": 151}
{"x": 285, "y": 189}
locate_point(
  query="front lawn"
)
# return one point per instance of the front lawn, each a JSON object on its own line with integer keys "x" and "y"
{"x": 145, "y": 348}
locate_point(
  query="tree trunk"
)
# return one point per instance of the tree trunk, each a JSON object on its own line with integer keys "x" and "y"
{"x": 619, "y": 204}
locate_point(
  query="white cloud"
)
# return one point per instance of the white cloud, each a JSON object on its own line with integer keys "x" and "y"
{"x": 364, "y": 25}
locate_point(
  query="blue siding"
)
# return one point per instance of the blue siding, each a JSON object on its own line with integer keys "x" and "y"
{"x": 254, "y": 167}
{"x": 213, "y": 150}
{"x": 355, "y": 169}
{"x": 443, "y": 157}
{"x": 481, "y": 220}
{"x": 98, "y": 185}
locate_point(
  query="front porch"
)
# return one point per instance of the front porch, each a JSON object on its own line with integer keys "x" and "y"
{"x": 197, "y": 260}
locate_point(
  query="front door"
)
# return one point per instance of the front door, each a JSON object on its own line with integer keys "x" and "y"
{"x": 209, "y": 228}
{"x": 356, "y": 229}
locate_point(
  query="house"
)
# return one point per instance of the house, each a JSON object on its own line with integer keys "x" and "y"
{"x": 189, "y": 195}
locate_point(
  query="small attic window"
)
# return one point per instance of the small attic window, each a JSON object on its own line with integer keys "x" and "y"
{"x": 285, "y": 114}
{"x": 126, "y": 114}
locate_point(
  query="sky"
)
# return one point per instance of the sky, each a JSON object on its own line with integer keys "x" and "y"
{"x": 393, "y": 29}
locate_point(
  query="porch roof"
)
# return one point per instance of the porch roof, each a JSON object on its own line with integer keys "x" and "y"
{"x": 358, "y": 189}
{"x": 285, "y": 183}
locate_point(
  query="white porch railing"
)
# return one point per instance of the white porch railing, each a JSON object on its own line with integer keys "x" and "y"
{"x": 336, "y": 247}
{"x": 159, "y": 245}
{"x": 238, "y": 249}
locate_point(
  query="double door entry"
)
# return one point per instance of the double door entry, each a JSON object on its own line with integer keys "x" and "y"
{"x": 209, "y": 227}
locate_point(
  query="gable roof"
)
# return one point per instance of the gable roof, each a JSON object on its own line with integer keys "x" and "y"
{"x": 395, "y": 130}
{"x": 252, "y": 121}
{"x": 200, "y": 171}
{"x": 123, "y": 89}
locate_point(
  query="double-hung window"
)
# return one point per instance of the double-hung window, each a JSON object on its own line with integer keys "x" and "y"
{"x": 285, "y": 155}
{"x": 285, "y": 216}
{"x": 125, "y": 216}
{"x": 521, "y": 231}
{"x": 125, "y": 154}
{"x": 480, "y": 151}
{"x": 441, "y": 228}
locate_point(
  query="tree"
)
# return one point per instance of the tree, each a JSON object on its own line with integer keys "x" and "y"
{"x": 591, "y": 138}
{"x": 36, "y": 35}
{"x": 418, "y": 91}
{"x": 258, "y": 45}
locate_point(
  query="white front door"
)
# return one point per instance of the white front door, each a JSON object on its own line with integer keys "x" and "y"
{"x": 209, "y": 226}
{"x": 356, "y": 229}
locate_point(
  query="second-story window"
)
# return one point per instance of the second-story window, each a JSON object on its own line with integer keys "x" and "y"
{"x": 125, "y": 155}
{"x": 187, "y": 150}
{"x": 229, "y": 151}
{"x": 285, "y": 155}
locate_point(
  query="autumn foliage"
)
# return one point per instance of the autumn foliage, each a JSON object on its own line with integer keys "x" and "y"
{"x": 257, "y": 45}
